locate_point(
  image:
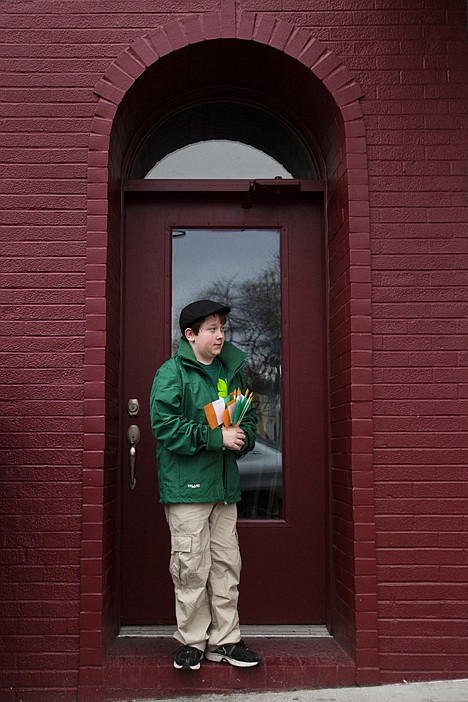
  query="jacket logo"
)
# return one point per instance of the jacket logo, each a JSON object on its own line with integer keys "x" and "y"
{"x": 194, "y": 486}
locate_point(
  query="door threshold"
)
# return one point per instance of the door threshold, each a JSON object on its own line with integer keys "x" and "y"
{"x": 254, "y": 631}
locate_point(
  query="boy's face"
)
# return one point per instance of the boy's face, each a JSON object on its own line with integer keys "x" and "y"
{"x": 209, "y": 341}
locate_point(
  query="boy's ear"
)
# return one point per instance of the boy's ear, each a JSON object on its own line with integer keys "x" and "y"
{"x": 189, "y": 335}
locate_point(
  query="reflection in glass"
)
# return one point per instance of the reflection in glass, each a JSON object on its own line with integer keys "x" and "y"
{"x": 242, "y": 268}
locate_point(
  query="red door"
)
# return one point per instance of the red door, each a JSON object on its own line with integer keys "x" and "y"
{"x": 281, "y": 532}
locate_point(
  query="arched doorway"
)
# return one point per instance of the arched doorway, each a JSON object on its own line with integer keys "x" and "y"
{"x": 294, "y": 77}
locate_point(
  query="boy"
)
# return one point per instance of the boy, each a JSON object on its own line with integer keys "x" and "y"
{"x": 199, "y": 486}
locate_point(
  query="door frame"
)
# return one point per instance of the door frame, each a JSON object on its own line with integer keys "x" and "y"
{"x": 266, "y": 191}
{"x": 273, "y": 187}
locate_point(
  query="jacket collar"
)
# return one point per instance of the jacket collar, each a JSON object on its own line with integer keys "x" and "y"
{"x": 231, "y": 357}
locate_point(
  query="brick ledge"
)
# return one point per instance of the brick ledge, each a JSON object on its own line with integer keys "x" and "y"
{"x": 142, "y": 668}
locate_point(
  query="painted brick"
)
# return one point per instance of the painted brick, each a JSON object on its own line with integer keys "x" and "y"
{"x": 297, "y": 42}
{"x": 280, "y": 35}
{"x": 246, "y": 23}
{"x": 211, "y": 25}
{"x": 264, "y": 28}
{"x": 408, "y": 59}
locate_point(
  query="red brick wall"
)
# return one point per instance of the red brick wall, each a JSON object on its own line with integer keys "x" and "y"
{"x": 410, "y": 58}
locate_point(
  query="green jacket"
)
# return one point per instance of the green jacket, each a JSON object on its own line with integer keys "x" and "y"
{"x": 192, "y": 465}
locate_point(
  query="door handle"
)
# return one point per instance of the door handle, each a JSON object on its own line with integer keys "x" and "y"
{"x": 133, "y": 437}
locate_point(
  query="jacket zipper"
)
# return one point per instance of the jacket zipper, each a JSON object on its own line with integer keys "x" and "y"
{"x": 223, "y": 451}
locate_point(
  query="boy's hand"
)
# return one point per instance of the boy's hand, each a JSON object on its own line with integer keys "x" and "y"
{"x": 233, "y": 438}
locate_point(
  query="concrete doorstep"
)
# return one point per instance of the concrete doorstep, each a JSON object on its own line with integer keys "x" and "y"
{"x": 443, "y": 691}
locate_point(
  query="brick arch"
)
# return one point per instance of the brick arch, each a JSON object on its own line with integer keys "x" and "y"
{"x": 352, "y": 506}
{"x": 277, "y": 34}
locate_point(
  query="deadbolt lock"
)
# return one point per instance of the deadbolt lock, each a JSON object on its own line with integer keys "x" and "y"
{"x": 133, "y": 407}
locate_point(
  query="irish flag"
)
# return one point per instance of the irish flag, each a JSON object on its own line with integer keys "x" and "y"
{"x": 228, "y": 411}
{"x": 214, "y": 412}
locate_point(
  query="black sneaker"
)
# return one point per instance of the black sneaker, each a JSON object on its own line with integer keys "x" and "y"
{"x": 187, "y": 658}
{"x": 237, "y": 654}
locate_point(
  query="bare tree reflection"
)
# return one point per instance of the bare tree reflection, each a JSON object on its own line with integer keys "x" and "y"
{"x": 255, "y": 326}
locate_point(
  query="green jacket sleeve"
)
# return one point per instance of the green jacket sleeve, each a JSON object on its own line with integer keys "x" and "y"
{"x": 171, "y": 428}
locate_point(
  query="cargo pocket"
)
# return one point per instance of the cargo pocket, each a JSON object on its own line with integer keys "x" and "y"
{"x": 190, "y": 565}
{"x": 179, "y": 545}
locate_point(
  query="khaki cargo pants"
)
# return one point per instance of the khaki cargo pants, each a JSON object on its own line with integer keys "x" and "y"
{"x": 205, "y": 568}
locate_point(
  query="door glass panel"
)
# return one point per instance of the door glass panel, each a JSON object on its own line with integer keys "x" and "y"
{"x": 242, "y": 268}
{"x": 224, "y": 126}
{"x": 218, "y": 159}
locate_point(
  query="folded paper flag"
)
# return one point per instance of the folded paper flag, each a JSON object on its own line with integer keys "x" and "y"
{"x": 228, "y": 411}
{"x": 240, "y": 404}
{"x": 214, "y": 412}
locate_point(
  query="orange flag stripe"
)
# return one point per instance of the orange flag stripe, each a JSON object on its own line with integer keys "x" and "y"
{"x": 211, "y": 416}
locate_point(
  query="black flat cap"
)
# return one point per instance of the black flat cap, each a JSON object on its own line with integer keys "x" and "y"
{"x": 198, "y": 310}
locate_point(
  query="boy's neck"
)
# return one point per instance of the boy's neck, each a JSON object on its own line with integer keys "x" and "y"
{"x": 204, "y": 361}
